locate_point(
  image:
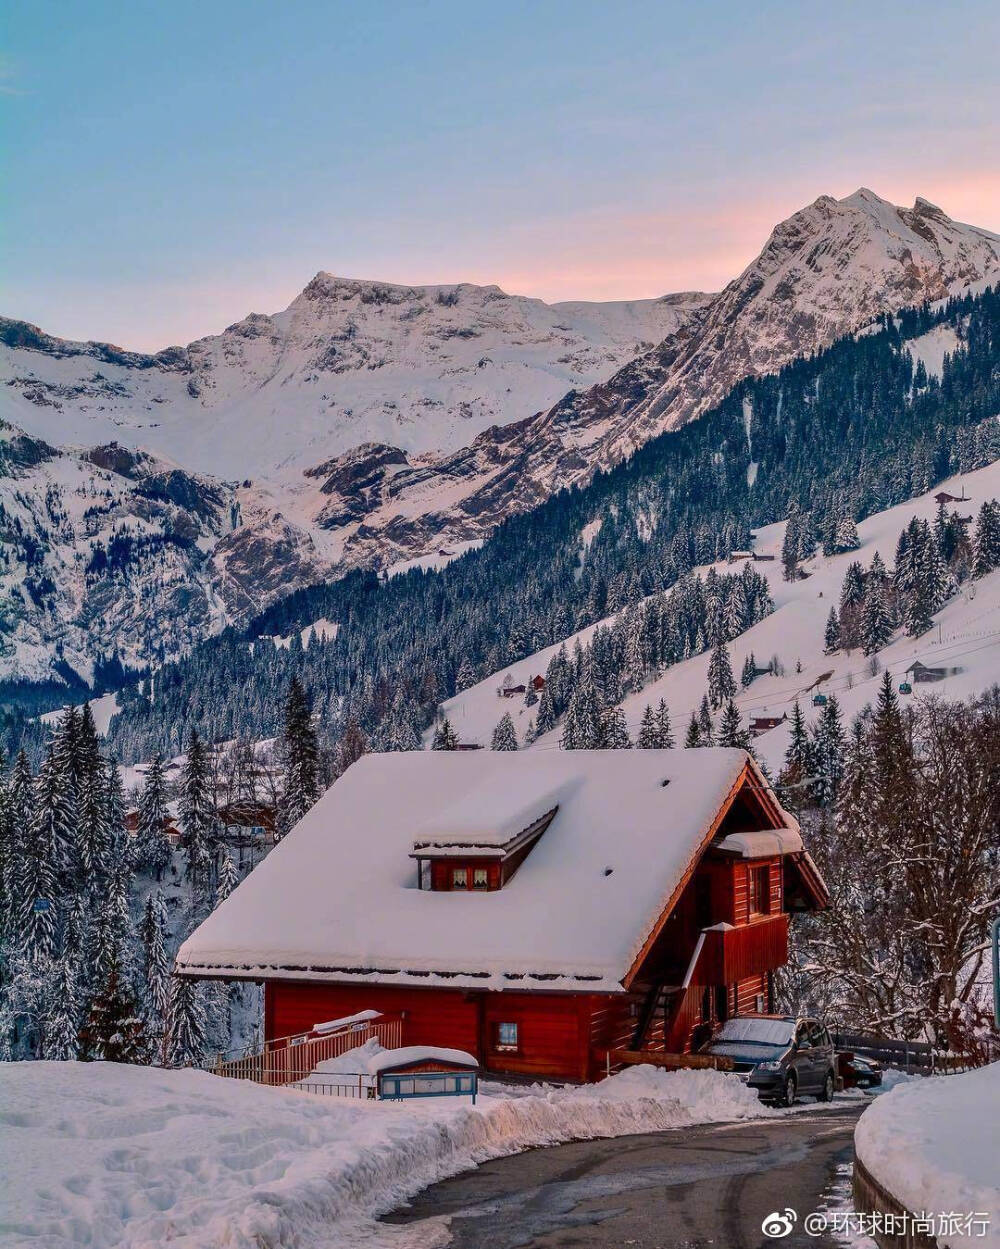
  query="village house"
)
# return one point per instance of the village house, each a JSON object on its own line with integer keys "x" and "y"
{"x": 542, "y": 911}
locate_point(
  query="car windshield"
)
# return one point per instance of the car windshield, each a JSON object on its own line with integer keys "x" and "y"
{"x": 756, "y": 1031}
{"x": 749, "y": 1051}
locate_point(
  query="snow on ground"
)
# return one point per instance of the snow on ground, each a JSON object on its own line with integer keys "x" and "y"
{"x": 108, "y": 1156}
{"x": 966, "y": 634}
{"x": 324, "y": 630}
{"x": 102, "y": 709}
{"x": 933, "y": 346}
{"x": 933, "y": 1145}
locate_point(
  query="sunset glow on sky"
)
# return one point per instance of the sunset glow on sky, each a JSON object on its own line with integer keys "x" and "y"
{"x": 173, "y": 167}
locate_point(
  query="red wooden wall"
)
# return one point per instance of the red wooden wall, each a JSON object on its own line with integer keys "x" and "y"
{"x": 557, "y": 1032}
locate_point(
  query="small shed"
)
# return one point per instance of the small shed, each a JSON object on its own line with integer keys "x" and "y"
{"x": 763, "y": 724}
{"x": 924, "y": 674}
{"x": 424, "y": 1071}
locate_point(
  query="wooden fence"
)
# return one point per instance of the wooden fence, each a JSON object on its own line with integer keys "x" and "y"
{"x": 918, "y": 1056}
{"x": 288, "y": 1060}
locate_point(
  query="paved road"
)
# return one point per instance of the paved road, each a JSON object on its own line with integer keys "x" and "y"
{"x": 693, "y": 1188}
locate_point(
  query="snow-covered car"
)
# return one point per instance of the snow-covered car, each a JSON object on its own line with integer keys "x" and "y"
{"x": 780, "y": 1056}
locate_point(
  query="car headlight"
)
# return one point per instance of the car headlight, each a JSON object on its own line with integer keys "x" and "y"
{"x": 769, "y": 1066}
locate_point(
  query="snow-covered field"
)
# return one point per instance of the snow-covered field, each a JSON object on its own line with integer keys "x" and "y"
{"x": 106, "y": 1156}
{"x": 933, "y": 1145}
{"x": 966, "y": 635}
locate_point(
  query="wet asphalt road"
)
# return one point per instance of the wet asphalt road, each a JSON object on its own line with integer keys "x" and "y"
{"x": 686, "y": 1189}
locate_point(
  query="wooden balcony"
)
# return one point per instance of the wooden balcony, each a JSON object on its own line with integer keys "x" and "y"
{"x": 731, "y": 954}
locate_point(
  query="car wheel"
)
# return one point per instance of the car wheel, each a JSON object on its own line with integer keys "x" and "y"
{"x": 828, "y": 1086}
{"x": 790, "y": 1091}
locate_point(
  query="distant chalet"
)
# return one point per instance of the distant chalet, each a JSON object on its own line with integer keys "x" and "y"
{"x": 540, "y": 910}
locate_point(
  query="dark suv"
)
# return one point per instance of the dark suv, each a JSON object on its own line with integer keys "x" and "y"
{"x": 780, "y": 1055}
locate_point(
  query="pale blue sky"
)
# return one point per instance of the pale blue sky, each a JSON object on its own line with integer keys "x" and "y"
{"x": 172, "y": 166}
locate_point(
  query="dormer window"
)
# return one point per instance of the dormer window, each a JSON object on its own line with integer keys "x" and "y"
{"x": 478, "y": 861}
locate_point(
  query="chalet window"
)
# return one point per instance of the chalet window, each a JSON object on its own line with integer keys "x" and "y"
{"x": 480, "y": 879}
{"x": 459, "y": 878}
{"x": 506, "y": 1036}
{"x": 760, "y": 890}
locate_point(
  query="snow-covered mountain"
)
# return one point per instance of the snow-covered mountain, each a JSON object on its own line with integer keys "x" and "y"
{"x": 825, "y": 272}
{"x": 378, "y": 426}
{"x": 348, "y": 362}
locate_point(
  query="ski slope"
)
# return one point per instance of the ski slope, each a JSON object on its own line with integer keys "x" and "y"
{"x": 966, "y": 634}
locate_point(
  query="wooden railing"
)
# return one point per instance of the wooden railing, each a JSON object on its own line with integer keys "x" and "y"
{"x": 287, "y": 1060}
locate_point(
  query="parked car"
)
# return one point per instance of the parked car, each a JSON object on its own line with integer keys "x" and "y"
{"x": 857, "y": 1072}
{"x": 781, "y": 1056}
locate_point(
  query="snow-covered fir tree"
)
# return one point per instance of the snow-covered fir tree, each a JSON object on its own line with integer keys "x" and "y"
{"x": 199, "y": 827}
{"x": 721, "y": 685}
{"x": 299, "y": 756}
{"x": 185, "y": 1040}
{"x": 445, "y": 737}
{"x": 152, "y": 849}
{"x": 614, "y": 730}
{"x": 504, "y": 735}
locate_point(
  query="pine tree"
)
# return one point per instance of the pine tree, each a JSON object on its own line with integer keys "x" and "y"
{"x": 692, "y": 738}
{"x": 721, "y": 686}
{"x": 828, "y": 753}
{"x": 504, "y": 735}
{"x": 444, "y": 736}
{"x": 706, "y": 729}
{"x": 664, "y": 734}
{"x": 798, "y": 756}
{"x": 731, "y": 730}
{"x": 876, "y": 623}
{"x": 229, "y": 878}
{"x": 614, "y": 730}
{"x": 986, "y": 547}
{"x": 184, "y": 1043}
{"x": 300, "y": 758}
{"x": 46, "y": 858}
{"x": 749, "y": 673}
{"x": 152, "y": 848}
{"x": 62, "y": 1025}
{"x": 846, "y": 537}
{"x": 352, "y": 745}
{"x": 582, "y": 730}
{"x": 115, "y": 1030}
{"x": 831, "y": 636}
{"x": 545, "y": 721}
{"x": 647, "y": 739}
{"x": 197, "y": 812}
{"x": 155, "y": 971}
{"x": 791, "y": 544}
{"x": 467, "y": 675}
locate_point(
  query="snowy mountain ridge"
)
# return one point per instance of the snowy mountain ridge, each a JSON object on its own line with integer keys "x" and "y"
{"x": 351, "y": 363}
{"x": 347, "y": 362}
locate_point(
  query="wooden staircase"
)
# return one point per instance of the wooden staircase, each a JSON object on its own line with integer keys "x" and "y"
{"x": 654, "y": 1015}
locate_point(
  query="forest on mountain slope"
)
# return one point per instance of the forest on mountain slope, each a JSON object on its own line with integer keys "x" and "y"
{"x": 848, "y": 432}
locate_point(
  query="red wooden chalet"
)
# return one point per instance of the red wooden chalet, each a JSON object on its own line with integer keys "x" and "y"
{"x": 535, "y": 909}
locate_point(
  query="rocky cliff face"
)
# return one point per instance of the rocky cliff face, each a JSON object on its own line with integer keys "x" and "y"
{"x": 369, "y": 425}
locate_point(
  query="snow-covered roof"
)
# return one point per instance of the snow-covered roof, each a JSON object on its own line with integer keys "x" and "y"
{"x": 490, "y": 816}
{"x": 762, "y": 845}
{"x": 337, "y": 899}
{"x": 388, "y": 1060}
